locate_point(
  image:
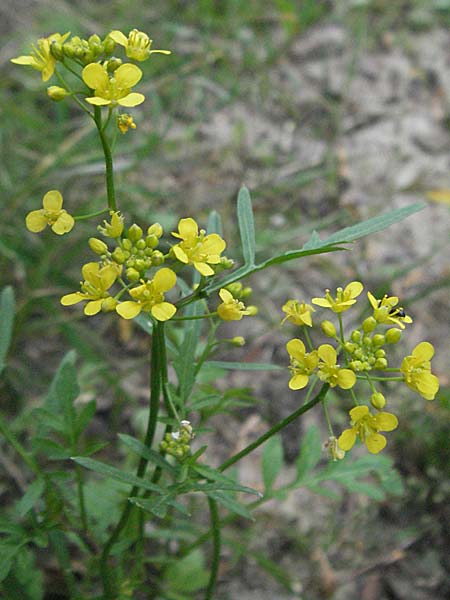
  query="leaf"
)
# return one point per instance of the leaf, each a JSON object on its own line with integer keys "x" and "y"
{"x": 158, "y": 506}
{"x": 84, "y": 417}
{"x": 63, "y": 392}
{"x": 272, "y": 461}
{"x": 364, "y": 487}
{"x": 141, "y": 450}
{"x": 230, "y": 503}
{"x": 246, "y": 225}
{"x": 52, "y": 450}
{"x": 7, "y": 307}
{"x": 214, "y": 223}
{"x": 31, "y": 496}
{"x": 310, "y": 453}
{"x": 8, "y": 550}
{"x": 187, "y": 574}
{"x": 184, "y": 363}
{"x": 116, "y": 474}
{"x": 242, "y": 366}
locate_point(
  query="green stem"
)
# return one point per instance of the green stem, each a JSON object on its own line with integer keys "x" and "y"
{"x": 308, "y": 338}
{"x": 72, "y": 94}
{"x": 81, "y": 501}
{"x": 155, "y": 391}
{"x": 91, "y": 215}
{"x": 276, "y": 428}
{"x": 374, "y": 378}
{"x": 215, "y": 529}
{"x": 195, "y": 317}
{"x": 108, "y": 159}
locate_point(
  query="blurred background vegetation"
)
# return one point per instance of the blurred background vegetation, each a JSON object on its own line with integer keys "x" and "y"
{"x": 329, "y": 112}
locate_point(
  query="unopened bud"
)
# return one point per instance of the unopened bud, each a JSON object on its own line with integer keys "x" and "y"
{"x": 355, "y": 336}
{"x": 155, "y": 229}
{"x": 369, "y": 324}
{"x": 252, "y": 311}
{"x": 97, "y": 246}
{"x": 109, "y": 304}
{"x": 378, "y": 339}
{"x": 381, "y": 363}
{"x": 56, "y": 49}
{"x": 238, "y": 341}
{"x": 393, "y": 335}
{"x": 377, "y": 400}
{"x": 57, "y": 93}
{"x": 157, "y": 258}
{"x": 226, "y": 263}
{"x": 108, "y": 45}
{"x": 119, "y": 256}
{"x": 113, "y": 64}
{"x": 328, "y": 329}
{"x": 132, "y": 275}
{"x": 134, "y": 233}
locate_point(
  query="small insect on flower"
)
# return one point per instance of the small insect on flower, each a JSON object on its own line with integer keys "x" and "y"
{"x": 52, "y": 214}
{"x": 386, "y": 311}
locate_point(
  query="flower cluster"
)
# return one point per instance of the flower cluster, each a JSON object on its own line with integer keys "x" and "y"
{"x": 355, "y": 358}
{"x": 177, "y": 443}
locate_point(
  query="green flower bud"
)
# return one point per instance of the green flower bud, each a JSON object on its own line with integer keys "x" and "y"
{"x": 381, "y": 363}
{"x": 140, "y": 244}
{"x": 393, "y": 335}
{"x": 68, "y": 50}
{"x": 56, "y": 50}
{"x": 226, "y": 263}
{"x": 329, "y": 330}
{"x": 109, "y": 304}
{"x": 356, "y": 365}
{"x": 155, "y": 229}
{"x": 356, "y": 336}
{"x": 95, "y": 44}
{"x": 380, "y": 353}
{"x": 132, "y": 275}
{"x": 118, "y": 256}
{"x": 127, "y": 244}
{"x": 157, "y": 258}
{"x": 108, "y": 45}
{"x": 97, "y": 246}
{"x": 134, "y": 233}
{"x": 367, "y": 341}
{"x": 235, "y": 289}
{"x": 140, "y": 265}
{"x": 378, "y": 339}
{"x": 238, "y": 341}
{"x": 152, "y": 241}
{"x": 245, "y": 293}
{"x": 369, "y": 324}
{"x": 113, "y": 64}
{"x": 377, "y": 400}
{"x": 57, "y": 93}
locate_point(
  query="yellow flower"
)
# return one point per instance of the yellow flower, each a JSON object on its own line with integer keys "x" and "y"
{"x": 125, "y": 122}
{"x": 232, "y": 309}
{"x": 197, "y": 248}
{"x": 94, "y": 288}
{"x": 298, "y": 313}
{"x": 386, "y": 312}
{"x": 115, "y": 89}
{"x": 52, "y": 214}
{"x": 113, "y": 229}
{"x": 416, "y": 370}
{"x": 330, "y": 372}
{"x": 366, "y": 427}
{"x": 345, "y": 298}
{"x": 149, "y": 297}
{"x": 41, "y": 57}
{"x": 137, "y": 45}
{"x": 302, "y": 363}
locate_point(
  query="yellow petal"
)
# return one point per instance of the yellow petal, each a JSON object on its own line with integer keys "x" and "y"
{"x": 296, "y": 349}
{"x": 160, "y": 52}
{"x": 226, "y": 296}
{"x": 375, "y": 443}
{"x": 353, "y": 289}
{"x": 347, "y": 439}
{"x": 423, "y": 351}
{"x": 203, "y": 269}
{"x": 93, "y": 307}
{"x": 164, "y": 280}
{"x": 327, "y": 353}
{"x": 108, "y": 275}
{"x": 180, "y": 254}
{"x": 163, "y": 311}
{"x": 70, "y": 299}
{"x": 52, "y": 201}
{"x": 24, "y": 60}
{"x": 90, "y": 273}
{"x": 187, "y": 228}
{"x": 427, "y": 385}
{"x": 119, "y": 38}
{"x": 128, "y": 309}
{"x": 64, "y": 223}
{"x": 97, "y": 101}
{"x": 358, "y": 412}
{"x": 49, "y": 69}
{"x": 386, "y": 421}
{"x": 213, "y": 244}
{"x": 321, "y": 302}
{"x": 127, "y": 75}
{"x": 373, "y": 301}
{"x": 95, "y": 76}
{"x": 346, "y": 379}
{"x": 36, "y": 221}
{"x": 133, "y": 99}
{"x": 298, "y": 381}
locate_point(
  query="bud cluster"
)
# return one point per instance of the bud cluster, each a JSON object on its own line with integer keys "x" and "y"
{"x": 138, "y": 253}
{"x": 85, "y": 51}
{"x": 177, "y": 443}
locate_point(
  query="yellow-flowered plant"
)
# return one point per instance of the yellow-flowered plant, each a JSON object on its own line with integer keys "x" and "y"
{"x": 113, "y": 89}
{"x": 303, "y": 364}
{"x": 197, "y": 248}
{"x": 94, "y": 289}
{"x": 298, "y": 313}
{"x": 366, "y": 427}
{"x": 52, "y": 214}
{"x": 386, "y": 311}
{"x": 332, "y": 373}
{"x": 416, "y": 370}
{"x": 149, "y": 297}
{"x": 137, "y": 45}
{"x": 345, "y": 298}
{"x": 41, "y": 57}
{"x": 232, "y": 309}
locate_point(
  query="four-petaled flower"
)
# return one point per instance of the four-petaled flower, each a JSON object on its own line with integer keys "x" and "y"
{"x": 149, "y": 297}
{"x": 41, "y": 57}
{"x": 330, "y": 372}
{"x": 231, "y": 308}
{"x": 303, "y": 364}
{"x": 137, "y": 45}
{"x": 345, "y": 298}
{"x": 196, "y": 248}
{"x": 52, "y": 214}
{"x": 94, "y": 288}
{"x": 416, "y": 370}
{"x": 298, "y": 313}
{"x": 115, "y": 89}
{"x": 386, "y": 312}
{"x": 366, "y": 426}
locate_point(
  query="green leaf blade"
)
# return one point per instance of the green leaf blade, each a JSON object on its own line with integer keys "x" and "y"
{"x": 246, "y": 225}
{"x": 7, "y": 309}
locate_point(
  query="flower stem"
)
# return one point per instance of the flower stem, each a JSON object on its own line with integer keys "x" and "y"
{"x": 91, "y": 215}
{"x": 276, "y": 428}
{"x": 215, "y": 529}
{"x": 108, "y": 159}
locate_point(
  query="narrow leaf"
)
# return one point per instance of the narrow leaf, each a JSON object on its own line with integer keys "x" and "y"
{"x": 246, "y": 225}
{"x": 63, "y": 392}
{"x": 116, "y": 474}
{"x": 242, "y": 366}
{"x": 310, "y": 453}
{"x": 272, "y": 461}
{"x": 31, "y": 496}
{"x": 230, "y": 503}
{"x": 141, "y": 450}
{"x": 214, "y": 223}
{"x": 7, "y": 307}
